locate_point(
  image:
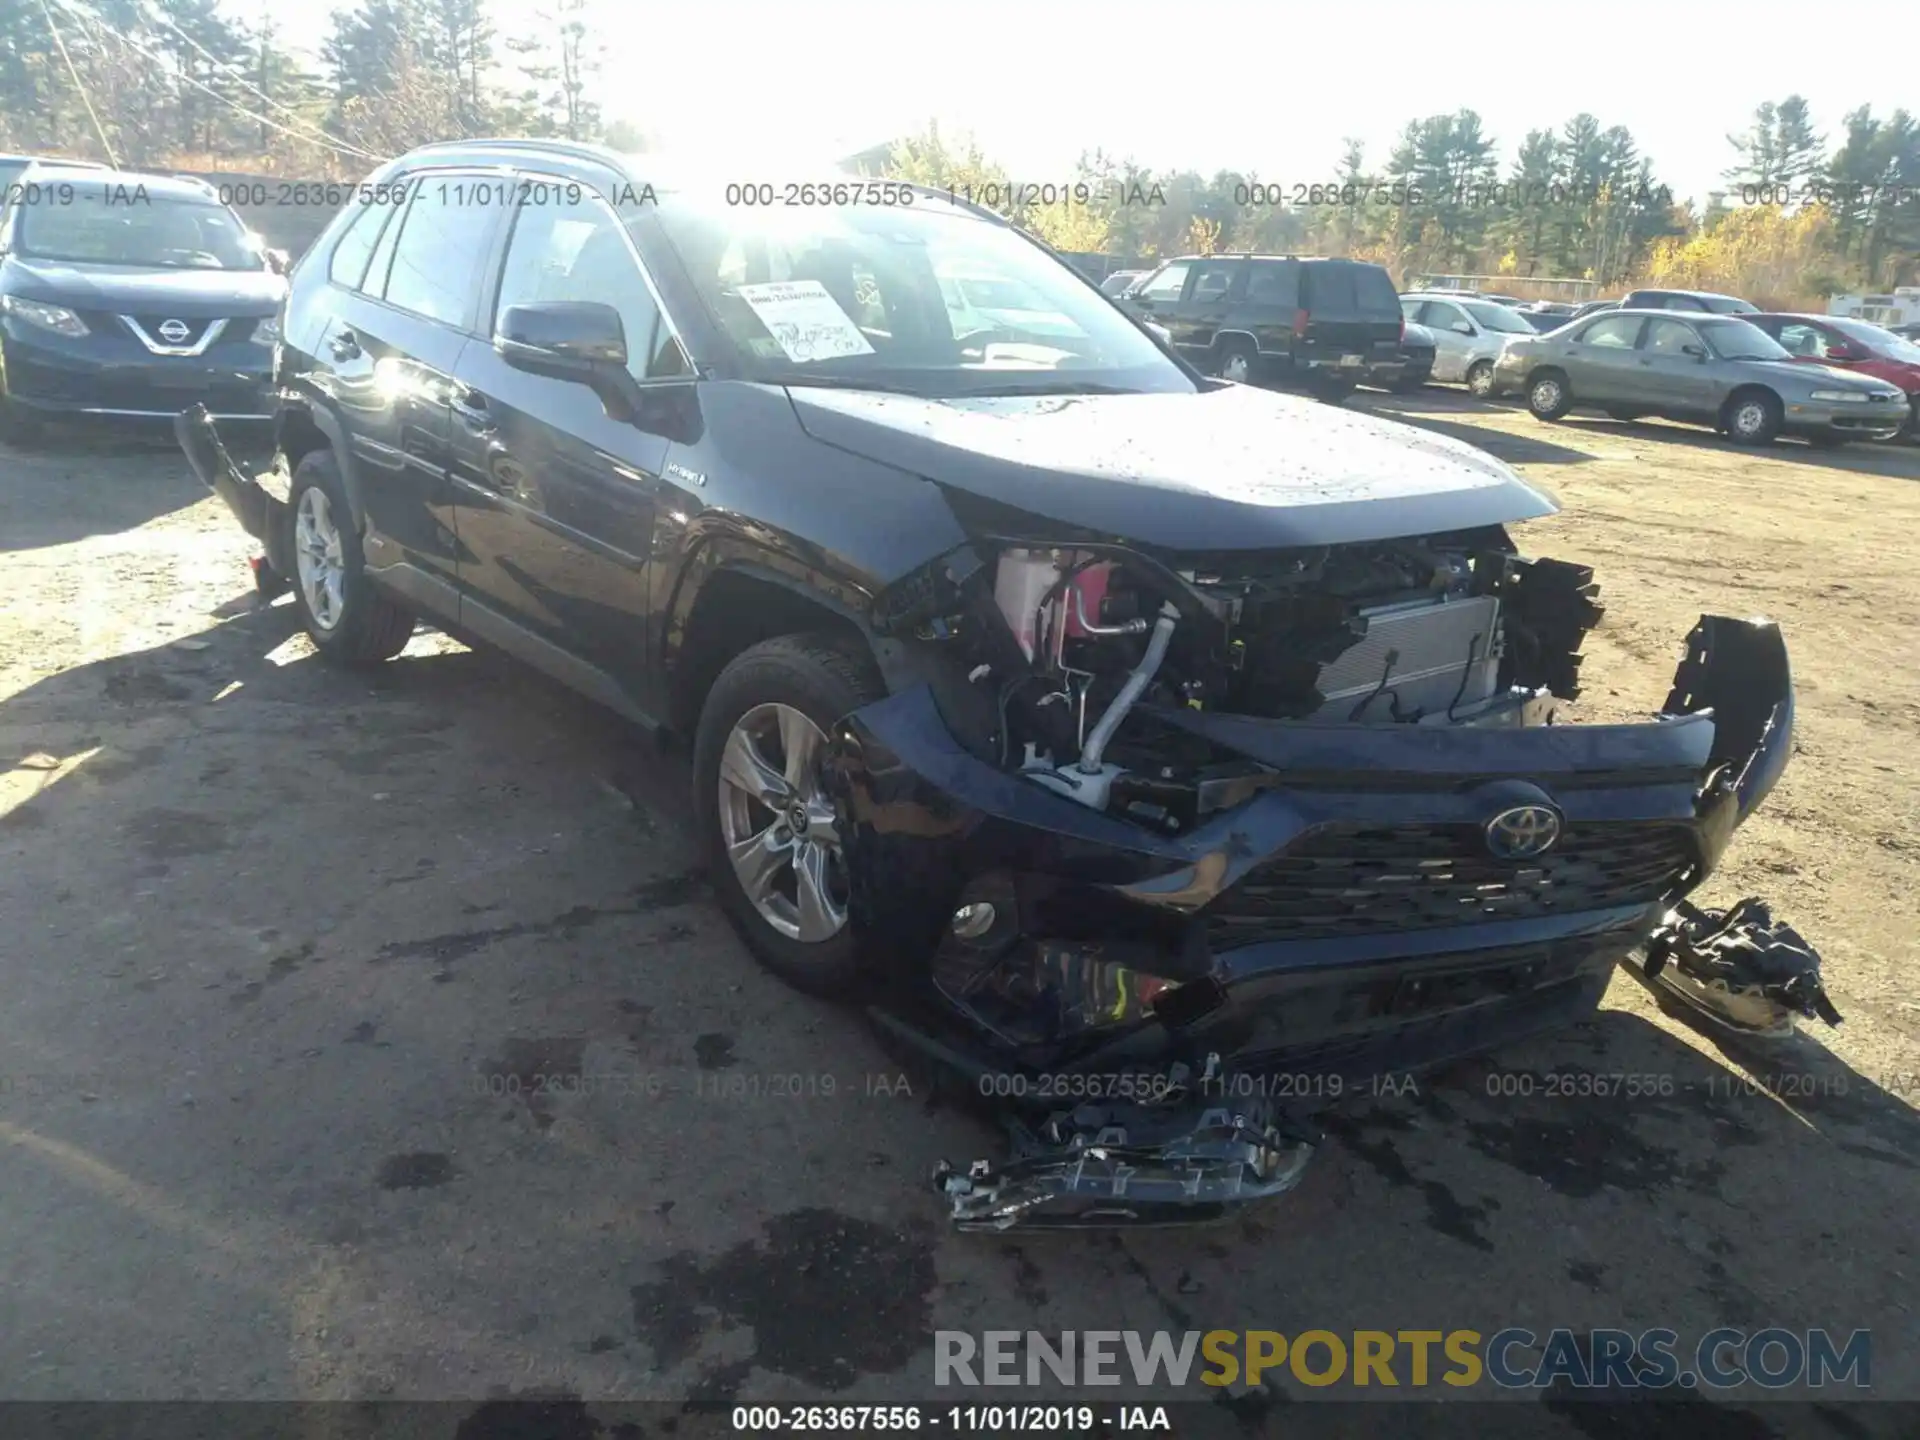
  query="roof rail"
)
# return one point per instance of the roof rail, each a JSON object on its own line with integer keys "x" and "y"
{"x": 576, "y": 148}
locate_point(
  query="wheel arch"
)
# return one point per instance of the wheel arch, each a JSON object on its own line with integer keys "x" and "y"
{"x": 731, "y": 597}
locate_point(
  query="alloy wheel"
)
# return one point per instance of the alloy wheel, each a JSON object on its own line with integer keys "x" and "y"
{"x": 1546, "y": 395}
{"x": 1750, "y": 418}
{"x": 778, "y": 825}
{"x": 318, "y": 558}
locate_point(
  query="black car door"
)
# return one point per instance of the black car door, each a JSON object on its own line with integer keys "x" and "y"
{"x": 1211, "y": 298}
{"x": 387, "y": 355}
{"x": 555, "y": 498}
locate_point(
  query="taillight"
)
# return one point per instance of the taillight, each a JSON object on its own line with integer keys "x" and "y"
{"x": 1299, "y": 324}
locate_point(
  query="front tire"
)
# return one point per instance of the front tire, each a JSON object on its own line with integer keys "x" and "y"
{"x": 1752, "y": 417}
{"x": 1549, "y": 397}
{"x": 766, "y": 826}
{"x": 1480, "y": 379}
{"x": 1234, "y": 361}
{"x": 349, "y": 621}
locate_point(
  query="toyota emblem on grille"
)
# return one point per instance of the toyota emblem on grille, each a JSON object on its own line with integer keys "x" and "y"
{"x": 1523, "y": 832}
{"x": 174, "y": 331}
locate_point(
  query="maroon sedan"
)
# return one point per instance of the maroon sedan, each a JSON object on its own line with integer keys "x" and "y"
{"x": 1851, "y": 345}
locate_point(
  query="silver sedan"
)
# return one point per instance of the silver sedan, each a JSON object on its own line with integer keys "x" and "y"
{"x": 1708, "y": 369}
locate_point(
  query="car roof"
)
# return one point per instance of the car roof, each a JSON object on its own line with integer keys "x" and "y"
{"x": 178, "y": 186}
{"x": 1702, "y": 294}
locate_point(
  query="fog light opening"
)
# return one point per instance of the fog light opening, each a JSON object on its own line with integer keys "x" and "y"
{"x": 973, "y": 920}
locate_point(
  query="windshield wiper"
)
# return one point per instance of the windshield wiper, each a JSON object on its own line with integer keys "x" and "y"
{"x": 852, "y": 382}
{"x": 1051, "y": 387}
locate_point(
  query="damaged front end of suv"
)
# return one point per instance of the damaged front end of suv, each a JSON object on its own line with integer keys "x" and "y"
{"x": 1198, "y": 841}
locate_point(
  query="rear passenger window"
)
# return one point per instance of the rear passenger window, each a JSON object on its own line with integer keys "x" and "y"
{"x": 350, "y": 255}
{"x": 1213, "y": 281}
{"x": 578, "y": 251}
{"x": 443, "y": 242}
{"x": 1616, "y": 332}
{"x": 1273, "y": 282}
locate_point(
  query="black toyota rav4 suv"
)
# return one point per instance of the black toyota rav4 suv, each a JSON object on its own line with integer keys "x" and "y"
{"x": 1086, "y": 717}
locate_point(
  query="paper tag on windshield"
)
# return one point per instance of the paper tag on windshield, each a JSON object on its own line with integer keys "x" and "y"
{"x": 805, "y": 319}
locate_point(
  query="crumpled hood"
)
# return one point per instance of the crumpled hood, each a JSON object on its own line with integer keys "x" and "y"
{"x": 1229, "y": 469}
{"x": 126, "y": 290}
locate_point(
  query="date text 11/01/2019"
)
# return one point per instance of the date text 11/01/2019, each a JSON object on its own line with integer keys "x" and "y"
{"x": 954, "y": 1419}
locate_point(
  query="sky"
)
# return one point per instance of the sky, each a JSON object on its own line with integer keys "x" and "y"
{"x": 1270, "y": 88}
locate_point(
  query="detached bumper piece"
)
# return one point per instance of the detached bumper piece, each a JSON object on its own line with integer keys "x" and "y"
{"x": 1113, "y": 1166}
{"x": 1740, "y": 969}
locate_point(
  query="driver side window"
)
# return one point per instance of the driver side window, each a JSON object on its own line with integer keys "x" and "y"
{"x": 1167, "y": 285}
{"x": 578, "y": 250}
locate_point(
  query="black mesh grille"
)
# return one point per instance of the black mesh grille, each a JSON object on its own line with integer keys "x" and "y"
{"x": 1353, "y": 881}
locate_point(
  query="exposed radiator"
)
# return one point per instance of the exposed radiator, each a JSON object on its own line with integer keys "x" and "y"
{"x": 1435, "y": 644}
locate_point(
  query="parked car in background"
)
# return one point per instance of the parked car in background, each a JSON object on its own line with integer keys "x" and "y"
{"x": 1705, "y": 301}
{"x": 1468, "y": 335}
{"x": 1590, "y": 307}
{"x": 1714, "y": 370}
{"x": 114, "y": 308}
{"x": 1319, "y": 324}
{"x": 1905, "y": 332}
{"x": 1417, "y": 351}
{"x": 1116, "y": 284}
{"x": 1854, "y": 346}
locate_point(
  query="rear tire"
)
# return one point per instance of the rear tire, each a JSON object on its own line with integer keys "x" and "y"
{"x": 1751, "y": 417}
{"x": 1480, "y": 379}
{"x": 1549, "y": 396}
{"x": 349, "y": 620}
{"x": 772, "y": 850}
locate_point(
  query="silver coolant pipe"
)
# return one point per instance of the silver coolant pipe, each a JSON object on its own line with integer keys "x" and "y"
{"x": 1130, "y": 692}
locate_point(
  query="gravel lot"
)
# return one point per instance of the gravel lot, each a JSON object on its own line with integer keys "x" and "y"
{"x": 281, "y": 949}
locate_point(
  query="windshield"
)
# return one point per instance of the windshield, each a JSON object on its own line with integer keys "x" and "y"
{"x": 125, "y": 225}
{"x": 922, "y": 296}
{"x": 1497, "y": 318}
{"x": 1737, "y": 340}
{"x": 1882, "y": 341}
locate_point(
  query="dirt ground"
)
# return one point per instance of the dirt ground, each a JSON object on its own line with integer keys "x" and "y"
{"x": 281, "y": 952}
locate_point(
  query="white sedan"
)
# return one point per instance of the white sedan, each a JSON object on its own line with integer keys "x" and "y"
{"x": 1468, "y": 335}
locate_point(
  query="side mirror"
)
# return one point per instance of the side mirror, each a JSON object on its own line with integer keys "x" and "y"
{"x": 1844, "y": 352}
{"x": 581, "y": 340}
{"x": 1698, "y": 352}
{"x": 1462, "y": 327}
{"x": 279, "y": 261}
